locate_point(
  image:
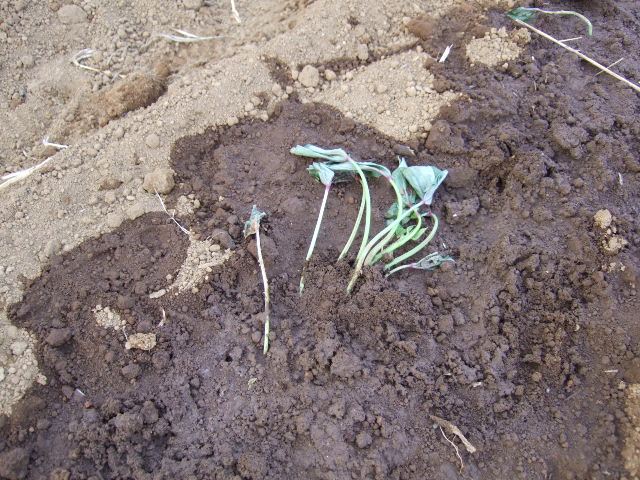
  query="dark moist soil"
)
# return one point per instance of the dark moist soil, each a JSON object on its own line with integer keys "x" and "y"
{"x": 526, "y": 344}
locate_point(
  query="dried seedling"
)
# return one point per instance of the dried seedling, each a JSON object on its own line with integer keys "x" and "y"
{"x": 252, "y": 227}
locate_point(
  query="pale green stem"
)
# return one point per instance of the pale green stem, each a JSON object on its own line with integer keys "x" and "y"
{"x": 401, "y": 267}
{"x": 564, "y": 12}
{"x": 417, "y": 264}
{"x": 354, "y": 232}
{"x": 312, "y": 245}
{"x": 366, "y": 200}
{"x": 391, "y": 227}
{"x": 400, "y": 242}
{"x": 369, "y": 257}
{"x": 418, "y": 247}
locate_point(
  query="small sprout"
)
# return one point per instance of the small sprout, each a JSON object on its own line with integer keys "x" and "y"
{"x": 526, "y": 14}
{"x": 324, "y": 175}
{"x": 57, "y": 146}
{"x": 234, "y": 11}
{"x": 88, "y": 53}
{"x": 252, "y": 227}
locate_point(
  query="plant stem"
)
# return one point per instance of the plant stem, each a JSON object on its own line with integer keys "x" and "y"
{"x": 368, "y": 259}
{"x": 400, "y": 242}
{"x": 354, "y": 232}
{"x": 418, "y": 247}
{"x": 391, "y": 227}
{"x": 366, "y": 201}
{"x": 265, "y": 284}
{"x": 312, "y": 245}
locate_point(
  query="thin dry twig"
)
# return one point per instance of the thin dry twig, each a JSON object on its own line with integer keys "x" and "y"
{"x": 47, "y": 143}
{"x": 455, "y": 448}
{"x": 570, "y": 39}
{"x": 580, "y": 54}
{"x": 613, "y": 64}
{"x": 455, "y": 431}
{"x": 186, "y": 37}
{"x": 184, "y": 230}
{"x": 234, "y": 10}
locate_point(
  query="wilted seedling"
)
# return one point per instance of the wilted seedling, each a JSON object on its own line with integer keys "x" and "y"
{"x": 429, "y": 262}
{"x": 424, "y": 180}
{"x": 527, "y": 14}
{"x": 324, "y": 175}
{"x": 252, "y": 227}
{"x": 414, "y": 188}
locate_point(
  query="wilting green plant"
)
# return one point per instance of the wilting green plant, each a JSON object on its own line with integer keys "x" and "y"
{"x": 424, "y": 180}
{"x": 527, "y": 14}
{"x": 252, "y": 227}
{"x": 413, "y": 187}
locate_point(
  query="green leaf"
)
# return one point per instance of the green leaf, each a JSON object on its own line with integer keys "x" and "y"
{"x": 321, "y": 172}
{"x": 425, "y": 180}
{"x": 392, "y": 213}
{"x": 335, "y": 155}
{"x": 408, "y": 195}
{"x": 522, "y": 14}
{"x": 251, "y": 226}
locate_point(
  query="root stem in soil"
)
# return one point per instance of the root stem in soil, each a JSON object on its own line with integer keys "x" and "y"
{"x": 252, "y": 227}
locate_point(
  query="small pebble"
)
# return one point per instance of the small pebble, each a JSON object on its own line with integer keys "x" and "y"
{"x": 362, "y": 52}
{"x": 152, "y": 140}
{"x": 136, "y": 210}
{"x": 114, "y": 220}
{"x": 192, "y": 4}
{"x": 118, "y": 133}
{"x": 71, "y": 14}
{"x": 309, "y": 76}
{"x": 27, "y": 61}
{"x": 160, "y": 180}
{"x": 330, "y": 75}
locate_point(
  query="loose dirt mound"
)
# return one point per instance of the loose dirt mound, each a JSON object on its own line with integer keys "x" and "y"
{"x": 528, "y": 344}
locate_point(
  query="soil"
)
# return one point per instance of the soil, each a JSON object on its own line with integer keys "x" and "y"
{"x": 134, "y": 348}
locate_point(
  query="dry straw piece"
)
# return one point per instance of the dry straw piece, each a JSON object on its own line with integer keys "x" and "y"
{"x": 186, "y": 37}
